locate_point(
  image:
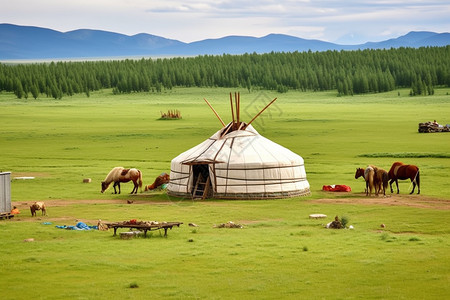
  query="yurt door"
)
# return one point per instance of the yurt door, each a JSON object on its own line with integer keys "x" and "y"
{"x": 202, "y": 187}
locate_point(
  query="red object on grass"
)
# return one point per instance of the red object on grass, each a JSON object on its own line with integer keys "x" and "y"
{"x": 336, "y": 188}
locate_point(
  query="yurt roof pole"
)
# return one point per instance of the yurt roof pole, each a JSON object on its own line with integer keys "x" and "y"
{"x": 232, "y": 109}
{"x": 257, "y": 115}
{"x": 217, "y": 115}
{"x": 236, "y": 99}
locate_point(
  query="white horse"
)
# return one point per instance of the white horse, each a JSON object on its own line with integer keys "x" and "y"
{"x": 119, "y": 174}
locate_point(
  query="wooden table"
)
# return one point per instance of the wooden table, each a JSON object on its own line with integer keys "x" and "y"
{"x": 145, "y": 227}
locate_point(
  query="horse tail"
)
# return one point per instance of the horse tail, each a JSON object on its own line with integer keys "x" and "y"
{"x": 417, "y": 179}
{"x": 140, "y": 180}
{"x": 371, "y": 180}
{"x": 385, "y": 177}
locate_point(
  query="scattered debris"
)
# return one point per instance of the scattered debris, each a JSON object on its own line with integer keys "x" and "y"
{"x": 433, "y": 127}
{"x": 229, "y": 224}
{"x": 383, "y": 226}
{"x": 336, "y": 224}
{"x": 102, "y": 226}
{"x": 171, "y": 114}
{"x": 87, "y": 180}
{"x": 317, "y": 216}
{"x": 29, "y": 240}
{"x": 129, "y": 234}
{"x": 130, "y": 201}
{"x": 193, "y": 225}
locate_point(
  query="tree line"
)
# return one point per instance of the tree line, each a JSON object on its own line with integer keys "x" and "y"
{"x": 348, "y": 72}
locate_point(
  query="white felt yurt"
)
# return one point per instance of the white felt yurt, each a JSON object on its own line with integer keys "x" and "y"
{"x": 238, "y": 163}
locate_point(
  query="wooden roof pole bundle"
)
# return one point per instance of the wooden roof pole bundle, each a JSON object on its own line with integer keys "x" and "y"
{"x": 217, "y": 115}
{"x": 236, "y": 124}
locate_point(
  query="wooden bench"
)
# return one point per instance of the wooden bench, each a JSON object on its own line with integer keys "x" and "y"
{"x": 144, "y": 227}
{"x": 6, "y": 215}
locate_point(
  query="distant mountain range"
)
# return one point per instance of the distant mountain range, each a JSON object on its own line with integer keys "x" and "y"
{"x": 28, "y": 43}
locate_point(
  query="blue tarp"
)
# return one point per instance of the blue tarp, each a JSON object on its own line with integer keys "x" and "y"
{"x": 79, "y": 226}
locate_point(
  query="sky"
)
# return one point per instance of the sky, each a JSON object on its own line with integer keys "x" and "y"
{"x": 343, "y": 22}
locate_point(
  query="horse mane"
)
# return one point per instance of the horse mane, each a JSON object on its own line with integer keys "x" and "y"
{"x": 113, "y": 174}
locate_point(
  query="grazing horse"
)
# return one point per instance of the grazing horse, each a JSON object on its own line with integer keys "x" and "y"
{"x": 119, "y": 174}
{"x": 38, "y": 206}
{"x": 160, "y": 180}
{"x": 381, "y": 180}
{"x": 368, "y": 175}
{"x": 401, "y": 171}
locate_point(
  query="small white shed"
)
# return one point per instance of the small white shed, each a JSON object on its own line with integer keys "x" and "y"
{"x": 5, "y": 192}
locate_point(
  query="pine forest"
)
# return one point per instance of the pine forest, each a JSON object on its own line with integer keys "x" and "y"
{"x": 347, "y": 72}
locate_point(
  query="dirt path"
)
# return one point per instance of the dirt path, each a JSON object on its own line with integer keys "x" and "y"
{"x": 419, "y": 201}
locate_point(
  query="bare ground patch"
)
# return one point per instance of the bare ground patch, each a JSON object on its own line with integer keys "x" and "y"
{"x": 29, "y": 174}
{"x": 418, "y": 201}
{"x": 60, "y": 202}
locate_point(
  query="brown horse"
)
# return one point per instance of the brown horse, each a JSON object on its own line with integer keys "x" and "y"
{"x": 401, "y": 171}
{"x": 119, "y": 174}
{"x": 368, "y": 175}
{"x": 381, "y": 180}
{"x": 38, "y": 206}
{"x": 160, "y": 180}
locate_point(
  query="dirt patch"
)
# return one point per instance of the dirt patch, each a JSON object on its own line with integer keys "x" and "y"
{"x": 55, "y": 203}
{"x": 258, "y": 221}
{"x": 418, "y": 201}
{"x": 29, "y": 174}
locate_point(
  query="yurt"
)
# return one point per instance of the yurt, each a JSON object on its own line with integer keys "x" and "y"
{"x": 237, "y": 162}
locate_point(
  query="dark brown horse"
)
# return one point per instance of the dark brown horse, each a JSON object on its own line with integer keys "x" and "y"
{"x": 381, "y": 180}
{"x": 401, "y": 171}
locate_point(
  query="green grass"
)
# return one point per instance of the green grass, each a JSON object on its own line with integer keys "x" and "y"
{"x": 280, "y": 252}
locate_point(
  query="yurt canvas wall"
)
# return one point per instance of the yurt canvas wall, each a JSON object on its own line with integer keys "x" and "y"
{"x": 5, "y": 192}
{"x": 241, "y": 164}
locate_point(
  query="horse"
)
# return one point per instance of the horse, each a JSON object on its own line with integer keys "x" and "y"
{"x": 120, "y": 174}
{"x": 38, "y": 206}
{"x": 381, "y": 180}
{"x": 401, "y": 171}
{"x": 368, "y": 175}
{"x": 160, "y": 180}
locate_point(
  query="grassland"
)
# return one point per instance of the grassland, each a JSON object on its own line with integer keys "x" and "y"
{"x": 280, "y": 252}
